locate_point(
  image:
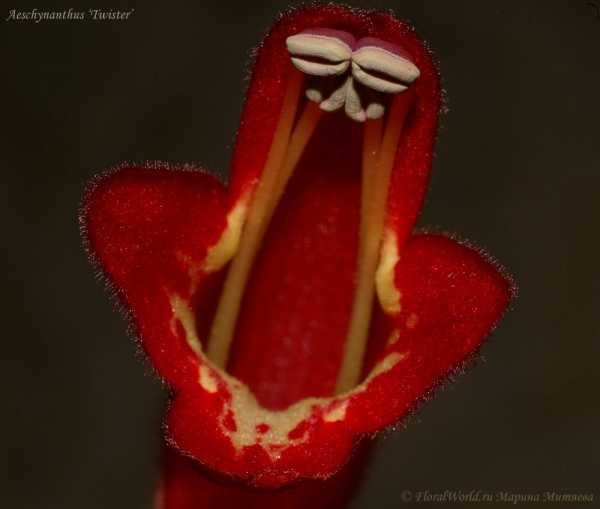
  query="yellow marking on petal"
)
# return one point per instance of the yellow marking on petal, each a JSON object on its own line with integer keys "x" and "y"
{"x": 245, "y": 410}
{"x": 183, "y": 313}
{"x": 207, "y": 382}
{"x": 388, "y": 294}
{"x": 384, "y": 365}
{"x": 337, "y": 414}
{"x": 394, "y": 336}
{"x": 412, "y": 320}
{"x": 249, "y": 415}
{"x": 223, "y": 251}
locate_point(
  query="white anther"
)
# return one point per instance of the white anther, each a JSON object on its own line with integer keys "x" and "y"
{"x": 319, "y": 68}
{"x": 314, "y": 89}
{"x": 354, "y": 108}
{"x": 375, "y": 105}
{"x": 377, "y": 65}
{"x": 382, "y": 70}
{"x": 319, "y": 54}
{"x": 338, "y": 97}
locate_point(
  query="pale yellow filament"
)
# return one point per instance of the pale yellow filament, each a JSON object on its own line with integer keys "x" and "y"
{"x": 285, "y": 152}
{"x": 379, "y": 151}
{"x": 303, "y": 131}
{"x": 376, "y": 181}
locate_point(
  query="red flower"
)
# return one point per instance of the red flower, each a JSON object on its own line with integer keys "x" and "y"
{"x": 294, "y": 312}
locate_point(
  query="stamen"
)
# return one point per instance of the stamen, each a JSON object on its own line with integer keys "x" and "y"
{"x": 376, "y": 182}
{"x": 286, "y": 150}
{"x": 354, "y": 107}
{"x": 223, "y": 327}
{"x": 298, "y": 140}
{"x": 375, "y": 105}
{"x": 371, "y": 146}
{"x": 324, "y": 52}
{"x": 380, "y": 66}
{"x": 314, "y": 89}
{"x": 338, "y": 97}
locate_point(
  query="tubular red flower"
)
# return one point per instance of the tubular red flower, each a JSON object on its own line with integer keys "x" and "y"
{"x": 256, "y": 303}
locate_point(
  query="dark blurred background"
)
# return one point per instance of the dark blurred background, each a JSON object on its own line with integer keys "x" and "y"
{"x": 517, "y": 171}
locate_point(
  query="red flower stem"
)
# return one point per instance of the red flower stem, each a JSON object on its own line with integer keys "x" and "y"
{"x": 375, "y": 187}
